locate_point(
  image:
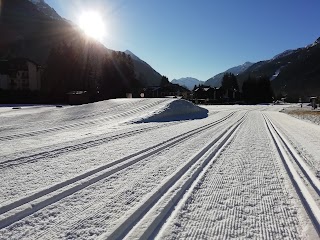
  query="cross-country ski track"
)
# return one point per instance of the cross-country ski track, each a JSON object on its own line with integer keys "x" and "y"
{"x": 158, "y": 169}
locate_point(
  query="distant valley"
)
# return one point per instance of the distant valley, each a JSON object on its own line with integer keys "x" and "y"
{"x": 187, "y": 82}
{"x": 215, "y": 81}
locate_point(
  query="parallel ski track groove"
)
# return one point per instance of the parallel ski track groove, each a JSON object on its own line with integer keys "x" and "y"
{"x": 92, "y": 114}
{"x": 79, "y": 124}
{"x": 286, "y": 153}
{"x": 77, "y": 147}
{"x": 125, "y": 227}
{"x": 313, "y": 180}
{"x": 115, "y": 166}
{"x": 87, "y": 208}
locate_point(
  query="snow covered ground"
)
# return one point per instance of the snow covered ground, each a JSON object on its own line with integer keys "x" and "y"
{"x": 157, "y": 168}
{"x": 305, "y": 113}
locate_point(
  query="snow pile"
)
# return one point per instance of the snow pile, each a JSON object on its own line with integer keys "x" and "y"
{"x": 176, "y": 110}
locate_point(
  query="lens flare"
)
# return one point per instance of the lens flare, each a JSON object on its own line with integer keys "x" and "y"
{"x": 93, "y": 25}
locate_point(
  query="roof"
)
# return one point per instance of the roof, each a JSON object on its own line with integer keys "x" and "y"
{"x": 204, "y": 89}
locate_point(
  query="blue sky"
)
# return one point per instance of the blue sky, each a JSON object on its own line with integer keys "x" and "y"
{"x": 200, "y": 38}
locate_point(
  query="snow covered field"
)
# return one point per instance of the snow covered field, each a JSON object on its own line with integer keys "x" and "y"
{"x": 305, "y": 113}
{"x": 158, "y": 168}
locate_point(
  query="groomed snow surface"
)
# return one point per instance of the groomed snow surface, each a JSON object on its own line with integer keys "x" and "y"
{"x": 158, "y": 169}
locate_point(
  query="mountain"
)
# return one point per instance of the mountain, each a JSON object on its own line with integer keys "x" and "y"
{"x": 293, "y": 73}
{"x": 187, "y": 82}
{"x": 144, "y": 72}
{"x": 30, "y": 31}
{"x": 71, "y": 60}
{"x": 216, "y": 80}
{"x": 46, "y": 9}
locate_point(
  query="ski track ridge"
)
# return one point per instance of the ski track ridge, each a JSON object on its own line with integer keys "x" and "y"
{"x": 17, "y": 210}
{"x": 90, "y": 216}
{"x": 78, "y": 117}
{"x": 292, "y": 161}
{"x": 173, "y": 189}
{"x": 76, "y": 147}
{"x": 80, "y": 124}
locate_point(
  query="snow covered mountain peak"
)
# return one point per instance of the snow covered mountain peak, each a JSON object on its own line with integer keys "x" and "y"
{"x": 283, "y": 54}
{"x": 239, "y": 69}
{"x": 216, "y": 80}
{"x": 313, "y": 44}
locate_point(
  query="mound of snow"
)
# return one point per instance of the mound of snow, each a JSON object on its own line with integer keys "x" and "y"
{"x": 176, "y": 110}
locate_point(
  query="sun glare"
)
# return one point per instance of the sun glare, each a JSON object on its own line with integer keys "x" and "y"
{"x": 93, "y": 25}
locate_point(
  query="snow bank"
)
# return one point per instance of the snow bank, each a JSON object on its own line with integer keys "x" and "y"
{"x": 176, "y": 110}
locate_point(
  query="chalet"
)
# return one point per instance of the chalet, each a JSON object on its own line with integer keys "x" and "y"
{"x": 204, "y": 92}
{"x": 207, "y": 94}
{"x": 172, "y": 90}
{"x": 20, "y": 74}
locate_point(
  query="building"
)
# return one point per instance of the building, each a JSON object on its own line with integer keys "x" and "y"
{"x": 172, "y": 90}
{"x": 20, "y": 74}
{"x": 207, "y": 94}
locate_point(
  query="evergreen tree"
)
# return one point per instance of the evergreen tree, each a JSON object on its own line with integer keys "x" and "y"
{"x": 257, "y": 90}
{"x": 164, "y": 81}
{"x": 229, "y": 81}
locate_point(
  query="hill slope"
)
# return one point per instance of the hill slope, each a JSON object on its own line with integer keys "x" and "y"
{"x": 144, "y": 72}
{"x": 32, "y": 29}
{"x": 216, "y": 80}
{"x": 28, "y": 32}
{"x": 294, "y": 73}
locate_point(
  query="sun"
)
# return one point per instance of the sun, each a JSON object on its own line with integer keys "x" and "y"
{"x": 92, "y": 24}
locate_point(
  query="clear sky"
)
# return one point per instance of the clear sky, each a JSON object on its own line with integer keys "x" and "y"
{"x": 200, "y": 38}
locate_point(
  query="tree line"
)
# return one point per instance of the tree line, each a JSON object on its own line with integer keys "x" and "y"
{"x": 257, "y": 90}
{"x": 254, "y": 89}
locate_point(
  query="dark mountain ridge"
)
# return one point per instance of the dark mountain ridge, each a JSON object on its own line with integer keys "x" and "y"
{"x": 144, "y": 72}
{"x": 293, "y": 73}
{"x": 216, "y": 80}
{"x": 32, "y": 29}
